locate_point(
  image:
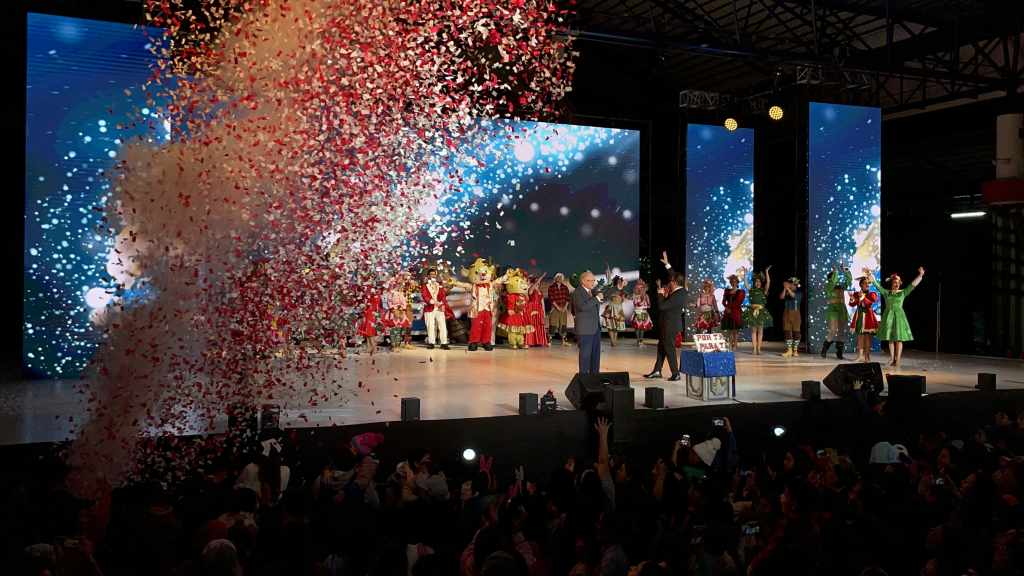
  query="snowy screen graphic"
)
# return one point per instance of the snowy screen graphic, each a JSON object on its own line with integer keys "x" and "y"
{"x": 719, "y": 207}
{"x": 82, "y": 102}
{"x": 547, "y": 198}
{"x": 845, "y": 177}
{"x": 544, "y": 197}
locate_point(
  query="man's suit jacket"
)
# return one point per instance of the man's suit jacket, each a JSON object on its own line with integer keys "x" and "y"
{"x": 585, "y": 310}
{"x": 670, "y": 313}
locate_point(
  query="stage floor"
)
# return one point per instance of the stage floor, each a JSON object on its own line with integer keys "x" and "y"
{"x": 460, "y": 384}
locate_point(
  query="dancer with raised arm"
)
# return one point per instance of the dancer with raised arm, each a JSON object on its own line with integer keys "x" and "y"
{"x": 671, "y": 301}
{"x": 732, "y": 317}
{"x": 836, "y": 315}
{"x": 756, "y": 316}
{"x": 894, "y": 327}
{"x": 865, "y": 323}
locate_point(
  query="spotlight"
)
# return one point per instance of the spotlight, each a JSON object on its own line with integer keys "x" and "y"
{"x": 778, "y": 431}
{"x": 961, "y": 215}
{"x": 776, "y": 113}
{"x": 469, "y": 455}
{"x": 731, "y": 124}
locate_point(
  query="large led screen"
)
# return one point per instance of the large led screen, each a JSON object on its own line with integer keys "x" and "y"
{"x": 844, "y": 201}
{"x": 719, "y": 207}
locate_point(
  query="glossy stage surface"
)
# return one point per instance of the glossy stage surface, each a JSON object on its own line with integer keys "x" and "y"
{"x": 460, "y": 384}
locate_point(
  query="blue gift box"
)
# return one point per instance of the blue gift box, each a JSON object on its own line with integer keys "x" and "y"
{"x": 708, "y": 363}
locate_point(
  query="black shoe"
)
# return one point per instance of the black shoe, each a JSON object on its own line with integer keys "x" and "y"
{"x": 488, "y": 347}
{"x": 655, "y": 374}
{"x": 445, "y": 347}
{"x": 472, "y": 348}
{"x": 430, "y": 346}
{"x": 840, "y": 348}
{"x": 675, "y": 377}
{"x": 824, "y": 348}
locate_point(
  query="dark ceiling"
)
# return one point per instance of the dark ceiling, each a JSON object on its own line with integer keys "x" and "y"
{"x": 898, "y": 54}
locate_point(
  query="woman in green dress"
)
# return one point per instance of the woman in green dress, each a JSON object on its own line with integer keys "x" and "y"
{"x": 894, "y": 327}
{"x": 756, "y": 316}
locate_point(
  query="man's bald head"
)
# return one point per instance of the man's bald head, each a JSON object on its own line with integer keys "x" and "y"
{"x": 588, "y": 280}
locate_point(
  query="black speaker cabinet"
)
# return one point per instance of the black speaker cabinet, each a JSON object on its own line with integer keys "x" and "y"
{"x": 586, "y": 391}
{"x": 845, "y": 379}
{"x": 654, "y": 397}
{"x": 410, "y": 409}
{"x": 986, "y": 382}
{"x": 906, "y": 387}
{"x": 528, "y": 403}
{"x": 810, "y": 390}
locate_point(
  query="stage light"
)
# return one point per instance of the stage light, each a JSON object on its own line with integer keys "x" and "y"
{"x": 469, "y": 455}
{"x": 731, "y": 124}
{"x": 778, "y": 431}
{"x": 776, "y": 113}
{"x": 962, "y": 215}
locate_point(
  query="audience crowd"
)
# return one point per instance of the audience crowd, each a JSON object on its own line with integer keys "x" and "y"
{"x": 937, "y": 506}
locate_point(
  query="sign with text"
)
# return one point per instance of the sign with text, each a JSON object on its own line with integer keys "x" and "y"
{"x": 710, "y": 343}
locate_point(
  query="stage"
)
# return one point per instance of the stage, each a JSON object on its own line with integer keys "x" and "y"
{"x": 458, "y": 384}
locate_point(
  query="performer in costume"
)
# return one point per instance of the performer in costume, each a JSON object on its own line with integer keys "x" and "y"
{"x": 791, "y": 296}
{"x": 434, "y": 310}
{"x": 865, "y": 322}
{"x": 482, "y": 286}
{"x": 836, "y": 315}
{"x": 558, "y": 294}
{"x": 396, "y": 317}
{"x": 535, "y": 314}
{"x": 613, "y": 315}
{"x": 410, "y": 289}
{"x": 756, "y": 315}
{"x": 707, "y": 308}
{"x": 732, "y": 316}
{"x": 894, "y": 327}
{"x": 368, "y": 326}
{"x": 514, "y": 321}
{"x": 641, "y": 310}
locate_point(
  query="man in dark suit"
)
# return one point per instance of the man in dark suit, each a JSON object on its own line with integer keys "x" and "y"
{"x": 671, "y": 302}
{"x": 585, "y": 303}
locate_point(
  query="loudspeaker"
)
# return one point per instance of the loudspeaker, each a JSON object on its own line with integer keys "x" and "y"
{"x": 846, "y": 379}
{"x": 586, "y": 391}
{"x": 906, "y": 387}
{"x": 528, "y": 403}
{"x": 810, "y": 390}
{"x": 620, "y": 401}
{"x": 410, "y": 409}
{"x": 986, "y": 382}
{"x": 654, "y": 397}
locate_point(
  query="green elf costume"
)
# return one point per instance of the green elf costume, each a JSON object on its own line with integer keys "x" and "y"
{"x": 836, "y": 316}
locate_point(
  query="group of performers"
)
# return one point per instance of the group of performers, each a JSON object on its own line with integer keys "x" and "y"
{"x": 523, "y": 318}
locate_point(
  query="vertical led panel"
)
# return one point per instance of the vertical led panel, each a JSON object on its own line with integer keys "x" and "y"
{"x": 844, "y": 201}
{"x": 719, "y": 206}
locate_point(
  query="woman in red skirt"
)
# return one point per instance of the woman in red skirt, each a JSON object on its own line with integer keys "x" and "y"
{"x": 732, "y": 317}
{"x": 368, "y": 326}
{"x": 535, "y": 314}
